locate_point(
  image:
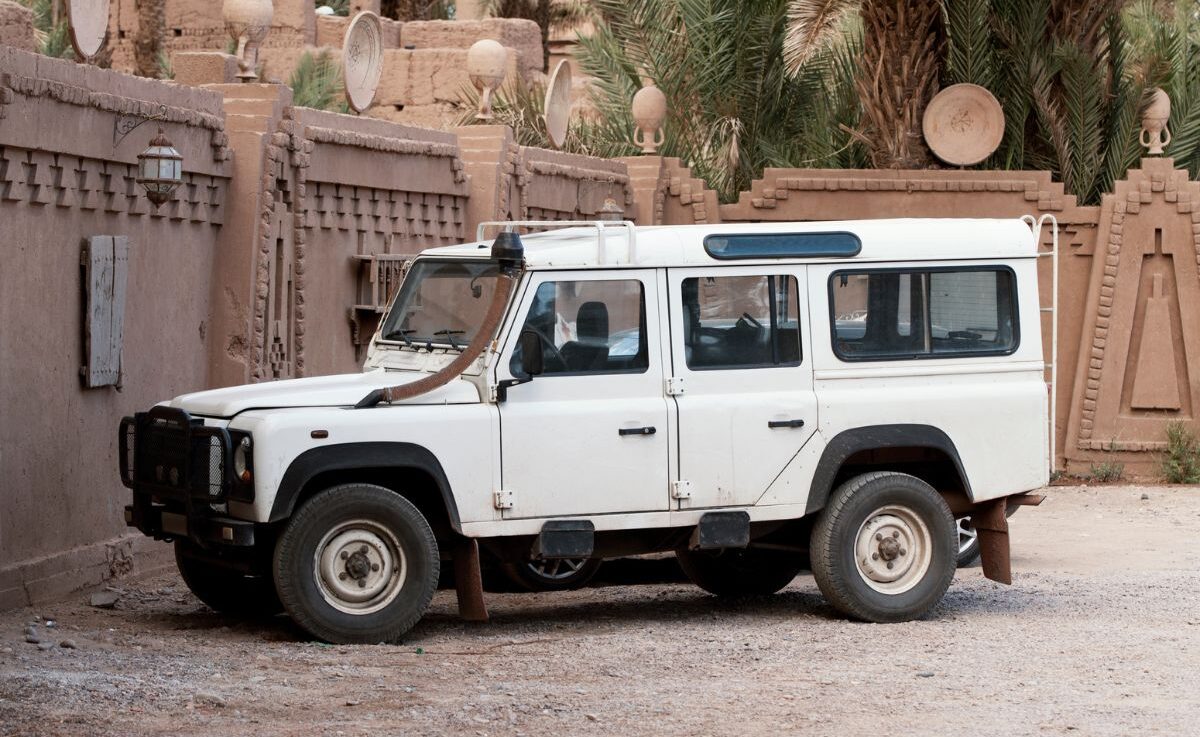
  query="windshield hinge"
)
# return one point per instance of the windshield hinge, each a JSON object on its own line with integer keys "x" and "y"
{"x": 674, "y": 386}
{"x": 503, "y": 499}
{"x": 681, "y": 489}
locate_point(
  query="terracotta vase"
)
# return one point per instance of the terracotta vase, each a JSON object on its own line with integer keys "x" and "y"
{"x": 487, "y": 63}
{"x": 1154, "y": 123}
{"x": 248, "y": 22}
{"x": 649, "y": 110}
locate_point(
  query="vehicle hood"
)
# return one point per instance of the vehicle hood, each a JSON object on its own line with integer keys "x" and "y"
{"x": 340, "y": 390}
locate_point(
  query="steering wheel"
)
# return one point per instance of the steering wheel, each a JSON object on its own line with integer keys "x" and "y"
{"x": 746, "y": 316}
{"x": 555, "y": 353}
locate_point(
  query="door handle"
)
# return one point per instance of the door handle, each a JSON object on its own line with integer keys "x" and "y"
{"x": 637, "y": 430}
{"x": 773, "y": 424}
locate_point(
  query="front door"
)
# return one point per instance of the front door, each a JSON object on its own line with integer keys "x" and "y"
{"x": 588, "y": 435}
{"x": 747, "y": 404}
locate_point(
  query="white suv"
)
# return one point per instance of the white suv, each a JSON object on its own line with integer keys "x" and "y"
{"x": 758, "y": 398}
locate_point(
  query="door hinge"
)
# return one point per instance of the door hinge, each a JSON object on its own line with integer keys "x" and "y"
{"x": 681, "y": 489}
{"x": 674, "y": 386}
{"x": 503, "y": 499}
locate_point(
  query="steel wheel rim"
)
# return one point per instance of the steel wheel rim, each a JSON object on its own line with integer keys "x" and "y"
{"x": 967, "y": 534}
{"x": 893, "y": 549}
{"x": 359, "y": 567}
{"x": 556, "y": 569}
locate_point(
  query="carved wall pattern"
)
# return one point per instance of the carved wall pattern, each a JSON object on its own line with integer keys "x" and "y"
{"x": 46, "y": 178}
{"x": 551, "y": 185}
{"x": 766, "y": 193}
{"x": 1141, "y": 346}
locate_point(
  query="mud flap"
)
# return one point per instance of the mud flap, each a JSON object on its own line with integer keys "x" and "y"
{"x": 468, "y": 582}
{"x": 991, "y": 524}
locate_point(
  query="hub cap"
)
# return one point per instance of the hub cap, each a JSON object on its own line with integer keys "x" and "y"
{"x": 966, "y": 534}
{"x": 893, "y": 549}
{"x": 359, "y": 567}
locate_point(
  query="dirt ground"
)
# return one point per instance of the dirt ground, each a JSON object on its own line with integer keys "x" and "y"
{"x": 1100, "y": 635}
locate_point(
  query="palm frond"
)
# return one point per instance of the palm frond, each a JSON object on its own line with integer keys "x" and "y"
{"x": 811, "y": 25}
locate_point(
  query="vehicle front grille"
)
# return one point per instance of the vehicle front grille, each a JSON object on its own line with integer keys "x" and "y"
{"x": 166, "y": 452}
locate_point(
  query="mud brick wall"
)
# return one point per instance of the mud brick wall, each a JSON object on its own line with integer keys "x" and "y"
{"x": 67, "y": 166}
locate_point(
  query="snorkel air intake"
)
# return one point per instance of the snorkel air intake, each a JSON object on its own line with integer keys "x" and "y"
{"x": 509, "y": 252}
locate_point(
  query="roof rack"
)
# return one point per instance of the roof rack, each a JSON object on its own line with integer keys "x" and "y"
{"x": 603, "y": 227}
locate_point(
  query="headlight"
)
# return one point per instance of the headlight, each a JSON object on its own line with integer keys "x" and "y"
{"x": 243, "y": 460}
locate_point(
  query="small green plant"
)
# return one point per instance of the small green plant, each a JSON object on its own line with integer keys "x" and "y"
{"x": 1107, "y": 471}
{"x": 317, "y": 83}
{"x": 165, "y": 69}
{"x": 1182, "y": 462}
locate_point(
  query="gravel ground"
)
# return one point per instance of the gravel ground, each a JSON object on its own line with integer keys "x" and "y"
{"x": 1100, "y": 635}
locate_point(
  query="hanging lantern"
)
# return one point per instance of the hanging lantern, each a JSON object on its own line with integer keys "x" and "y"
{"x": 160, "y": 169}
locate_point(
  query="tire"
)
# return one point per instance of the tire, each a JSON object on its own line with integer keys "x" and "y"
{"x": 968, "y": 542}
{"x": 552, "y": 575}
{"x": 223, "y": 589}
{"x": 857, "y": 520}
{"x": 735, "y": 573}
{"x": 364, "y": 534}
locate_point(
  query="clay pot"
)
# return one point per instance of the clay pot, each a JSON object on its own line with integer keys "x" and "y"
{"x": 248, "y": 22}
{"x": 487, "y": 63}
{"x": 1154, "y": 123}
{"x": 649, "y": 110}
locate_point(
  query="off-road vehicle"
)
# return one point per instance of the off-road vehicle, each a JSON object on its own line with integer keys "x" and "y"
{"x": 754, "y": 397}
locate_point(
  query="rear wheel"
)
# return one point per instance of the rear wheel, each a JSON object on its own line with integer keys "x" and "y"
{"x": 559, "y": 574}
{"x": 885, "y": 548}
{"x": 225, "y": 589}
{"x": 357, "y": 564}
{"x": 734, "y": 573}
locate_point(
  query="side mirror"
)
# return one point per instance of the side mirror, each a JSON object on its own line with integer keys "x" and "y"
{"x": 530, "y": 344}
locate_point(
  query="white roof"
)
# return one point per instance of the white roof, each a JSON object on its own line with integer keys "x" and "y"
{"x": 912, "y": 239}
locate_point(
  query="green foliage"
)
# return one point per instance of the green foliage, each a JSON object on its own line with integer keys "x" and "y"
{"x": 340, "y": 7}
{"x": 53, "y": 39}
{"x": 732, "y": 107}
{"x": 1107, "y": 472}
{"x": 317, "y": 82}
{"x": 165, "y": 69}
{"x": 1182, "y": 462}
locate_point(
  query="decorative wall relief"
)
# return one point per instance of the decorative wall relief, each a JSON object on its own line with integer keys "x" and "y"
{"x": 1140, "y": 339}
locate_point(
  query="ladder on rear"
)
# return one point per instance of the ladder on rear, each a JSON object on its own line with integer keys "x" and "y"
{"x": 1051, "y": 365}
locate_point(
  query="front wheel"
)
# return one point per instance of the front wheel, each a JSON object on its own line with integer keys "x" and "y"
{"x": 885, "y": 548}
{"x": 357, "y": 564}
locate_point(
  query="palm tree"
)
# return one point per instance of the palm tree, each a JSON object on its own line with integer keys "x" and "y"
{"x": 149, "y": 42}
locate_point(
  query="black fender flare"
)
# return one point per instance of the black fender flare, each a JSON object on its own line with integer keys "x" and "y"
{"x": 848, "y": 442}
{"x": 349, "y": 456}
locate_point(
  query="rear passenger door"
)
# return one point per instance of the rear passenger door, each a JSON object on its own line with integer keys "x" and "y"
{"x": 742, "y": 385}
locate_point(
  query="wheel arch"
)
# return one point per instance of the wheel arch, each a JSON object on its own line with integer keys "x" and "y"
{"x": 923, "y": 451}
{"x": 406, "y": 468}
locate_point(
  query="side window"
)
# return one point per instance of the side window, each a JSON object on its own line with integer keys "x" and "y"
{"x": 588, "y": 327}
{"x": 923, "y": 313}
{"x": 732, "y": 322}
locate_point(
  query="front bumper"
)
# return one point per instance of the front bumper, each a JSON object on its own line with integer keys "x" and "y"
{"x": 180, "y": 473}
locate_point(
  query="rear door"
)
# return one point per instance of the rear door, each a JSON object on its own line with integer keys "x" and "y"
{"x": 738, "y": 355}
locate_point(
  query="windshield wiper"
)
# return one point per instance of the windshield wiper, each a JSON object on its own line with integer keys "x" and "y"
{"x": 450, "y": 338}
{"x": 402, "y": 334}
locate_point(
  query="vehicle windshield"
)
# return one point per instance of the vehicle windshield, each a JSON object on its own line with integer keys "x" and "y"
{"x": 441, "y": 302}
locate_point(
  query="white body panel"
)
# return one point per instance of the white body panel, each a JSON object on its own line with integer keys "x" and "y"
{"x": 555, "y": 444}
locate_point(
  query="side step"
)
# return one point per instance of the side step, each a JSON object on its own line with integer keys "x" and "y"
{"x": 721, "y": 530}
{"x": 566, "y": 538}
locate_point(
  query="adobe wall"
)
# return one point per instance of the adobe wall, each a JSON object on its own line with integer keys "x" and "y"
{"x": 67, "y": 164}
{"x": 16, "y": 26}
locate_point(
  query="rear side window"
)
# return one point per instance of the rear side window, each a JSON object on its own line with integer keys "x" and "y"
{"x": 923, "y": 313}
